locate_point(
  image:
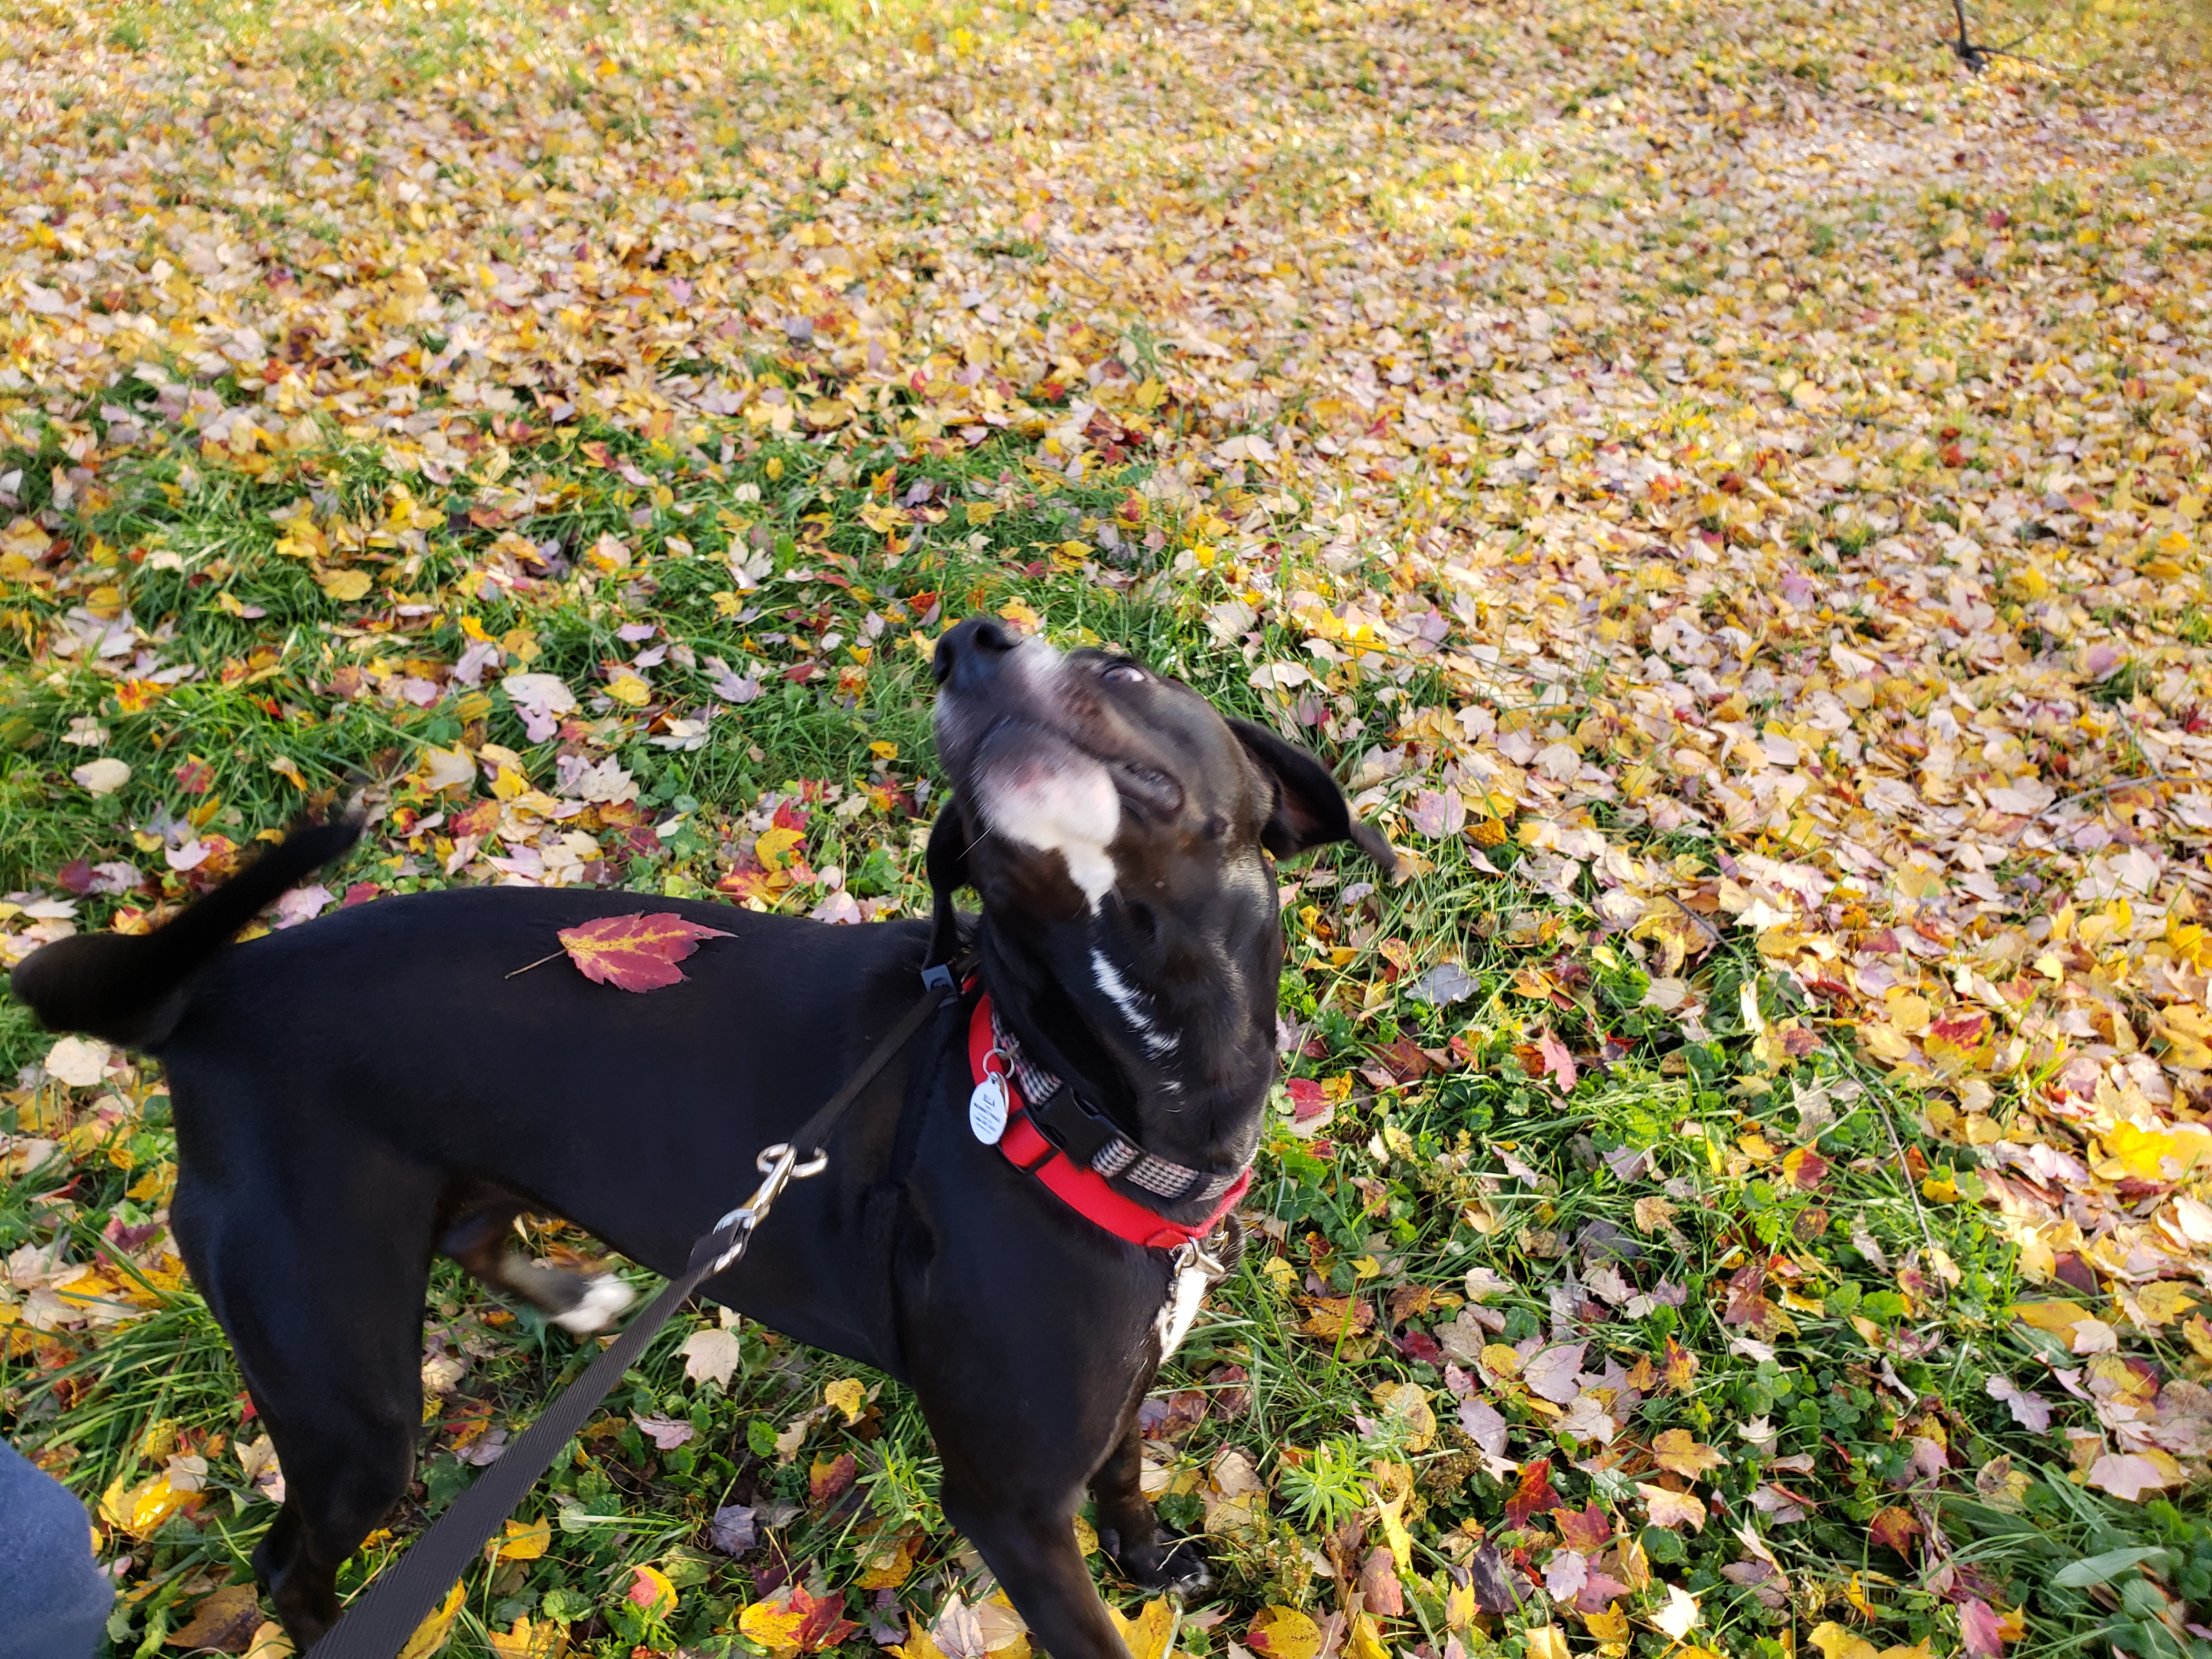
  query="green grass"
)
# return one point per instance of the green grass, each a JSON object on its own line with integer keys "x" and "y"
{"x": 1389, "y": 1209}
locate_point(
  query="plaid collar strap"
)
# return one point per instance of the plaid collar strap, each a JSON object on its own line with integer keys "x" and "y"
{"x": 1040, "y": 1126}
{"x": 1050, "y": 1102}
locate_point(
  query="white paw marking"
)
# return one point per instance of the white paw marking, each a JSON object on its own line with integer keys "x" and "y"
{"x": 605, "y": 1297}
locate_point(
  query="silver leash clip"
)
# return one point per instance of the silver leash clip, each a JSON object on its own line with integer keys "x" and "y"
{"x": 779, "y": 1166}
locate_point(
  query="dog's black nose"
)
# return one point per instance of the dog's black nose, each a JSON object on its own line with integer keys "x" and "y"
{"x": 967, "y": 654}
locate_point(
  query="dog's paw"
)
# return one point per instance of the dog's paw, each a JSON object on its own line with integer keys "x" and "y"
{"x": 604, "y": 1298}
{"x": 1179, "y": 1570}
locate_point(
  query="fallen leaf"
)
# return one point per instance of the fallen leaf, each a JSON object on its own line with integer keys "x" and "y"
{"x": 430, "y": 1635}
{"x": 103, "y": 777}
{"x": 635, "y": 952}
{"x": 2031, "y": 1411}
{"x": 1679, "y": 1616}
{"x": 666, "y": 1433}
{"x": 1151, "y": 1633}
{"x": 1895, "y": 1528}
{"x": 2128, "y": 1475}
{"x": 1533, "y": 1495}
{"x": 1671, "y": 1509}
{"x": 1280, "y": 1633}
{"x": 1676, "y": 1450}
{"x": 848, "y": 1395}
{"x": 712, "y": 1355}
{"x": 224, "y": 1621}
{"x": 524, "y": 1541}
{"x": 1979, "y": 1630}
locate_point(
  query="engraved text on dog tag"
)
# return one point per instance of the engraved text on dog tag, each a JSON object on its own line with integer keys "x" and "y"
{"x": 987, "y": 1109}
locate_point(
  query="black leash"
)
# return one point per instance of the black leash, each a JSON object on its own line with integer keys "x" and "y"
{"x": 386, "y": 1614}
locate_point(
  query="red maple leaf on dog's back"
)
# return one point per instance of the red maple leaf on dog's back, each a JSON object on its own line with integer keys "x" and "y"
{"x": 637, "y": 953}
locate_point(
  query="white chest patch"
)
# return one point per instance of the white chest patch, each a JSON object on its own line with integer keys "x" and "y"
{"x": 1185, "y": 1292}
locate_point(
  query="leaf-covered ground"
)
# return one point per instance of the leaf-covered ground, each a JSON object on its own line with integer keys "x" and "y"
{"x": 1724, "y": 484}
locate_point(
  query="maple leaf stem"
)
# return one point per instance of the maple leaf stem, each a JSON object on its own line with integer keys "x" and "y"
{"x": 540, "y": 962}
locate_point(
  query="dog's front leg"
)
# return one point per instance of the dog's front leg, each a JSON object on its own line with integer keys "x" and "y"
{"x": 1026, "y": 1408}
{"x": 1129, "y": 1531}
{"x": 1026, "y": 1535}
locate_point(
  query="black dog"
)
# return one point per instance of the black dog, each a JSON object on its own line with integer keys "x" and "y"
{"x": 355, "y": 1096}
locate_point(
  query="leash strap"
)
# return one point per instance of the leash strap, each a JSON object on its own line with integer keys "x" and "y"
{"x": 385, "y": 1615}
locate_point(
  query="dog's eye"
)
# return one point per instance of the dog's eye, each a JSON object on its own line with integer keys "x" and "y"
{"x": 1125, "y": 672}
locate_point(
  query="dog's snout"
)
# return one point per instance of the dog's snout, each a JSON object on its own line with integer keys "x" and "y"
{"x": 969, "y": 652}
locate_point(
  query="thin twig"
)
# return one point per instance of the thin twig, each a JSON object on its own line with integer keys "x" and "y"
{"x": 527, "y": 966}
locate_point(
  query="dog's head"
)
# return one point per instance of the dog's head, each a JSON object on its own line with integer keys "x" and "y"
{"x": 1116, "y": 828}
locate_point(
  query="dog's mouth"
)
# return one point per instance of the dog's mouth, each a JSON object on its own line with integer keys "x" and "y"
{"x": 1037, "y": 701}
{"x": 1136, "y": 783}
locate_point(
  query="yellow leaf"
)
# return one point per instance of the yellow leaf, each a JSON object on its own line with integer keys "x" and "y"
{"x": 776, "y": 1628}
{"x": 1545, "y": 1642}
{"x": 2054, "y": 1318}
{"x": 774, "y": 845}
{"x": 547, "y": 1640}
{"x": 1280, "y": 1633}
{"x": 526, "y": 1540}
{"x": 631, "y": 690}
{"x": 1677, "y": 1449}
{"x": 2157, "y": 1154}
{"x": 848, "y": 1396}
{"x": 1671, "y": 1508}
{"x": 2162, "y": 1302}
{"x": 1409, "y": 1403}
{"x": 1501, "y": 1361}
{"x": 649, "y": 1589}
{"x": 1608, "y": 1624}
{"x": 1147, "y": 1635}
{"x": 1835, "y": 1642}
{"x": 142, "y": 1508}
{"x": 1389, "y": 1515}
{"x": 430, "y": 1635}
{"x": 1021, "y": 615}
{"x": 345, "y": 586}
{"x": 269, "y": 1642}
{"x": 2188, "y": 1037}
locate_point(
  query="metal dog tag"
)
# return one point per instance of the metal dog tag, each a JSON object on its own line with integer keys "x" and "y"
{"x": 987, "y": 1109}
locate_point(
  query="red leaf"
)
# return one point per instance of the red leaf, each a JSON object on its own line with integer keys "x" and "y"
{"x": 1585, "y": 1531}
{"x": 1895, "y": 1528}
{"x": 829, "y": 1477}
{"x": 1978, "y": 1625}
{"x": 1746, "y": 1297}
{"x": 636, "y": 952}
{"x": 1557, "y": 1060}
{"x": 1380, "y": 1593}
{"x": 1307, "y": 1099}
{"x": 822, "y": 1624}
{"x": 1534, "y": 1495}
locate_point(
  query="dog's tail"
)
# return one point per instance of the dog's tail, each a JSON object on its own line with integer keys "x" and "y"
{"x": 120, "y": 986}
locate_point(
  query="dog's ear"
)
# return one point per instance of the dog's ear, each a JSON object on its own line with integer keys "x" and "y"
{"x": 1310, "y": 811}
{"x": 945, "y": 862}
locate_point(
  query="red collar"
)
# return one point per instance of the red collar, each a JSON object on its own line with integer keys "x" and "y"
{"x": 1082, "y": 1189}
